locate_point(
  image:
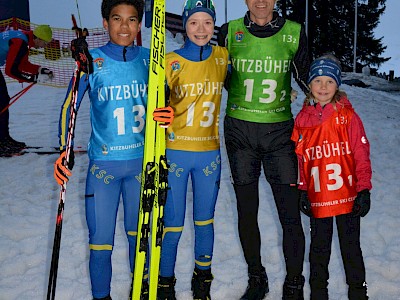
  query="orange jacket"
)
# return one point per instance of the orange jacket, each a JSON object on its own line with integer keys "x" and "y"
{"x": 333, "y": 154}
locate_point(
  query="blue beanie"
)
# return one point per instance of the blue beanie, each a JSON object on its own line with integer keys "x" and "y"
{"x": 193, "y": 6}
{"x": 325, "y": 67}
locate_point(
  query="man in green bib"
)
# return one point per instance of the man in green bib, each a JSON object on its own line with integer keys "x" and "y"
{"x": 265, "y": 51}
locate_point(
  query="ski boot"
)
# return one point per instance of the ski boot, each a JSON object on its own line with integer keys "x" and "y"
{"x": 166, "y": 288}
{"x": 104, "y": 298}
{"x": 293, "y": 288}
{"x": 201, "y": 284}
{"x": 319, "y": 294}
{"x": 319, "y": 288}
{"x": 145, "y": 291}
{"x": 257, "y": 287}
{"x": 358, "y": 292}
{"x": 15, "y": 143}
{"x": 7, "y": 149}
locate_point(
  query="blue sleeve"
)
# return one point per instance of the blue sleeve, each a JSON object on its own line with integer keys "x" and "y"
{"x": 63, "y": 124}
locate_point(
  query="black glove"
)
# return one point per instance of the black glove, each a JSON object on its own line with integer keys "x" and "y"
{"x": 85, "y": 32}
{"x": 362, "y": 204}
{"x": 71, "y": 159}
{"x": 304, "y": 203}
{"x": 80, "y": 52}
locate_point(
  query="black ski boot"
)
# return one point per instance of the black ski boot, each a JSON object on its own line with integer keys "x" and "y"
{"x": 258, "y": 285}
{"x": 166, "y": 288}
{"x": 358, "y": 292}
{"x": 293, "y": 288}
{"x": 8, "y": 149}
{"x": 145, "y": 291}
{"x": 15, "y": 143}
{"x": 201, "y": 284}
{"x": 319, "y": 294}
{"x": 104, "y": 298}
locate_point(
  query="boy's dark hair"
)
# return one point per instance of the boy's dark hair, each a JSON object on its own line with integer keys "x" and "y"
{"x": 108, "y": 5}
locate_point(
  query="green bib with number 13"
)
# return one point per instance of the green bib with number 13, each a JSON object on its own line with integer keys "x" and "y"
{"x": 261, "y": 73}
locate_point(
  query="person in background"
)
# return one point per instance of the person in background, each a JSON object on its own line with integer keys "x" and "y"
{"x": 14, "y": 51}
{"x": 265, "y": 51}
{"x": 117, "y": 82}
{"x": 335, "y": 177}
{"x": 193, "y": 146}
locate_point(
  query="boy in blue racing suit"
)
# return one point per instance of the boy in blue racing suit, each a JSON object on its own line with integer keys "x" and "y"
{"x": 116, "y": 80}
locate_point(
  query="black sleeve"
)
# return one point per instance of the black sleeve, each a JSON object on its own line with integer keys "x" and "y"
{"x": 222, "y": 41}
{"x": 301, "y": 62}
{"x": 221, "y": 35}
{"x": 167, "y": 94}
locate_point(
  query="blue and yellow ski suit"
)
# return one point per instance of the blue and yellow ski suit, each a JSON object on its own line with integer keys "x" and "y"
{"x": 117, "y": 90}
{"x": 195, "y": 77}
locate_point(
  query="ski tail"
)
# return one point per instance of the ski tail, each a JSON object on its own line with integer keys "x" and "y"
{"x": 154, "y": 175}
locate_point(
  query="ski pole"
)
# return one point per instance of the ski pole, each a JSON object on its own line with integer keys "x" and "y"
{"x": 17, "y": 96}
{"x": 79, "y": 13}
{"x": 51, "y": 289}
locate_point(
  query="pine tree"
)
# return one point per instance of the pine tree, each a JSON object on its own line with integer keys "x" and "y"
{"x": 331, "y": 29}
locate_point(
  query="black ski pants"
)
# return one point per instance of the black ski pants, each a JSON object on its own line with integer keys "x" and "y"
{"x": 4, "y": 101}
{"x": 250, "y": 147}
{"x": 293, "y": 243}
{"x": 348, "y": 228}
